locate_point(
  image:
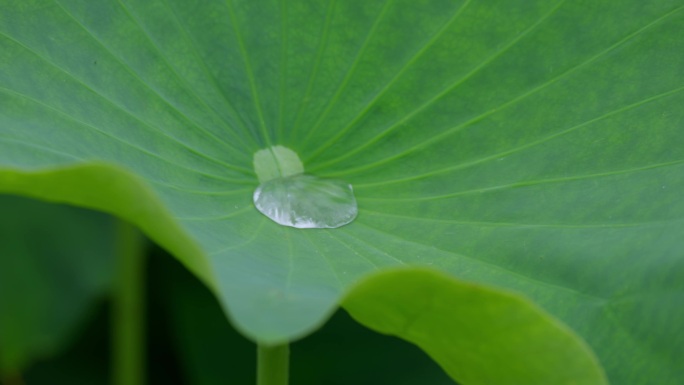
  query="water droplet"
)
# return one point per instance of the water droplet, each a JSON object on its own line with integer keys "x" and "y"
{"x": 305, "y": 201}
{"x": 291, "y": 198}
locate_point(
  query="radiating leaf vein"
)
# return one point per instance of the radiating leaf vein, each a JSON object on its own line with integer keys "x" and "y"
{"x": 122, "y": 141}
{"x": 528, "y": 183}
{"x": 257, "y": 232}
{"x": 525, "y": 225}
{"x": 346, "y": 245}
{"x": 266, "y": 139}
{"x": 423, "y": 48}
{"x": 449, "y": 88}
{"x": 322, "y": 43}
{"x": 345, "y": 81}
{"x": 192, "y": 46}
{"x": 232, "y": 214}
{"x": 147, "y": 86}
{"x": 598, "y": 301}
{"x": 514, "y": 150}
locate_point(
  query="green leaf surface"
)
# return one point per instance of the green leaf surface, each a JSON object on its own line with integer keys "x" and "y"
{"x": 54, "y": 261}
{"x": 341, "y": 352}
{"x": 479, "y": 335}
{"x": 536, "y": 146}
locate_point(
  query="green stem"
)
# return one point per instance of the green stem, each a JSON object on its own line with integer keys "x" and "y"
{"x": 128, "y": 307}
{"x": 273, "y": 364}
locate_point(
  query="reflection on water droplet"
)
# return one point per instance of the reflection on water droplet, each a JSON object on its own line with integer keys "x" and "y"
{"x": 305, "y": 201}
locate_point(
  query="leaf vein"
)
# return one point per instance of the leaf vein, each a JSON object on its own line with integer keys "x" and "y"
{"x": 510, "y": 103}
{"x": 345, "y": 81}
{"x": 445, "y": 91}
{"x": 495, "y": 267}
{"x": 145, "y": 85}
{"x": 122, "y": 141}
{"x": 529, "y": 183}
{"x": 317, "y": 61}
{"x": 210, "y": 76}
{"x": 250, "y": 74}
{"x": 392, "y": 81}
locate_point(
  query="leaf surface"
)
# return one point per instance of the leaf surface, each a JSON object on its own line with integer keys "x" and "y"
{"x": 536, "y": 146}
{"x": 480, "y": 336}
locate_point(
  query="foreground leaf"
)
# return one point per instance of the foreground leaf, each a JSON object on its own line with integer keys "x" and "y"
{"x": 532, "y": 145}
{"x": 480, "y": 336}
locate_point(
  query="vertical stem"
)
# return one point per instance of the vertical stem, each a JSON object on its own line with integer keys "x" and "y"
{"x": 128, "y": 307}
{"x": 273, "y": 364}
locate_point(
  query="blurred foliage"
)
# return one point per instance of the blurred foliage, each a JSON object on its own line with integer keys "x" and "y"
{"x": 56, "y": 265}
{"x": 54, "y": 261}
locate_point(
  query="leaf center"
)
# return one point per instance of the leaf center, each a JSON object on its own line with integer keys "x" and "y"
{"x": 276, "y": 162}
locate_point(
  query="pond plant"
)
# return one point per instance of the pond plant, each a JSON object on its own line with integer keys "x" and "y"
{"x": 496, "y": 181}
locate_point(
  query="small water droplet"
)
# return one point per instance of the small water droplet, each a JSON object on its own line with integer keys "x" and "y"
{"x": 305, "y": 202}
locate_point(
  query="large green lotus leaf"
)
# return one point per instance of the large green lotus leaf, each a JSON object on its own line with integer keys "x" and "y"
{"x": 537, "y": 146}
{"x": 54, "y": 261}
{"x": 496, "y": 339}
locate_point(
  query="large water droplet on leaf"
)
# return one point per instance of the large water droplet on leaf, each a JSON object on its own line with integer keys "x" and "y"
{"x": 305, "y": 201}
{"x": 291, "y": 198}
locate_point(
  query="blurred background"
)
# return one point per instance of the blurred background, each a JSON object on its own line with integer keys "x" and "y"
{"x": 57, "y": 267}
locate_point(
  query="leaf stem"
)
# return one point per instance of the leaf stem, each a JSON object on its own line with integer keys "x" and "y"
{"x": 273, "y": 364}
{"x": 128, "y": 307}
